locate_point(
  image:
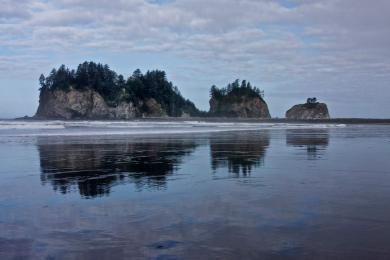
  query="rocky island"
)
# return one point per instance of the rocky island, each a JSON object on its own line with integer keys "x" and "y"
{"x": 94, "y": 91}
{"x": 310, "y": 110}
{"x": 238, "y": 100}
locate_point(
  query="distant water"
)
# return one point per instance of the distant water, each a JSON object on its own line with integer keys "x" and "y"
{"x": 193, "y": 190}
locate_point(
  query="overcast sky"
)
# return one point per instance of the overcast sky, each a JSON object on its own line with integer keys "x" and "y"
{"x": 335, "y": 50}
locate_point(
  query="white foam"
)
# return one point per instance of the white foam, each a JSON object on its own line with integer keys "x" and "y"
{"x": 11, "y": 128}
{"x": 33, "y": 125}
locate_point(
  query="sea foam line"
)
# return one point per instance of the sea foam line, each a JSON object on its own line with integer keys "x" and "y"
{"x": 150, "y": 128}
{"x": 26, "y": 125}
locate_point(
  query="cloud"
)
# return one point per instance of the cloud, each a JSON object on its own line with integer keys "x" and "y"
{"x": 305, "y": 45}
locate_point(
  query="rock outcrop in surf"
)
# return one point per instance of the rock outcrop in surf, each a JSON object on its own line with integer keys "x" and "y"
{"x": 94, "y": 91}
{"x": 238, "y": 100}
{"x": 310, "y": 110}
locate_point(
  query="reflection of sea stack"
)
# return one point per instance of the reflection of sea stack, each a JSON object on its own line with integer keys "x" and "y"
{"x": 95, "y": 168}
{"x": 239, "y": 153}
{"x": 311, "y": 110}
{"x": 314, "y": 140}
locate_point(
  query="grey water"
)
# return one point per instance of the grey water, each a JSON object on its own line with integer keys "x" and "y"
{"x": 194, "y": 191}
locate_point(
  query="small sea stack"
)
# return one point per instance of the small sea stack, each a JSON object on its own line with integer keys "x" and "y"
{"x": 310, "y": 110}
{"x": 239, "y": 100}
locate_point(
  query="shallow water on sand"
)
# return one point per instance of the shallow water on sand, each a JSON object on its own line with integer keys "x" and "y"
{"x": 265, "y": 192}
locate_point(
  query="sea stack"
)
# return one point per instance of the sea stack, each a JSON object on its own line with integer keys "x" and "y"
{"x": 309, "y": 111}
{"x": 238, "y": 100}
{"x": 94, "y": 91}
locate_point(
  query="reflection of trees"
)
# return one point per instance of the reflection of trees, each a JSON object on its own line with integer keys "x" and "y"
{"x": 314, "y": 140}
{"x": 239, "y": 152}
{"x": 95, "y": 168}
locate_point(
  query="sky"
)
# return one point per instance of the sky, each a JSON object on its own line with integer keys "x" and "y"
{"x": 335, "y": 50}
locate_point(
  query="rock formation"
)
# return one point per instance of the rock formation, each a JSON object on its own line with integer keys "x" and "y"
{"x": 88, "y": 104}
{"x": 244, "y": 107}
{"x": 238, "y": 99}
{"x": 94, "y": 91}
{"x": 308, "y": 111}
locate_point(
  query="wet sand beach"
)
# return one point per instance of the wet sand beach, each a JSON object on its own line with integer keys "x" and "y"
{"x": 195, "y": 190}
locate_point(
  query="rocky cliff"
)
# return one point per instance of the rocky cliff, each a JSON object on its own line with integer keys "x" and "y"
{"x": 88, "y": 104}
{"x": 308, "y": 111}
{"x": 244, "y": 107}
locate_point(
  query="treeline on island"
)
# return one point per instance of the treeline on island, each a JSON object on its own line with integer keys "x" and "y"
{"x": 93, "y": 90}
{"x": 236, "y": 91}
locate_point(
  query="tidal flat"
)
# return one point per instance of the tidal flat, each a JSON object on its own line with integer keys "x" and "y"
{"x": 194, "y": 190}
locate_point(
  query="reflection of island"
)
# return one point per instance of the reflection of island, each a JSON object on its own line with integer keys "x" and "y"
{"x": 95, "y": 168}
{"x": 314, "y": 140}
{"x": 239, "y": 152}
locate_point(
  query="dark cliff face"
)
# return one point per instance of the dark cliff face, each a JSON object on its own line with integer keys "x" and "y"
{"x": 308, "y": 111}
{"x": 88, "y": 104}
{"x": 243, "y": 107}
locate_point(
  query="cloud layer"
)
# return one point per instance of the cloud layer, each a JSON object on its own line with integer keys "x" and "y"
{"x": 334, "y": 49}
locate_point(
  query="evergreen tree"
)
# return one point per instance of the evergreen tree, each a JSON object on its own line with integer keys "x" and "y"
{"x": 42, "y": 81}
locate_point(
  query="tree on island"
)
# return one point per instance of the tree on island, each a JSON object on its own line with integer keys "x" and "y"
{"x": 311, "y": 100}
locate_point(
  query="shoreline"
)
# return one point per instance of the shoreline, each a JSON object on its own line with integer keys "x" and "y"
{"x": 230, "y": 120}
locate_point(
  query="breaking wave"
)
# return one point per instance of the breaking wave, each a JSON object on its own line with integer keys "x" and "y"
{"x": 83, "y": 128}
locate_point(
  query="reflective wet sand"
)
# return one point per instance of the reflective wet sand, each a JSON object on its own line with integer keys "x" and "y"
{"x": 267, "y": 194}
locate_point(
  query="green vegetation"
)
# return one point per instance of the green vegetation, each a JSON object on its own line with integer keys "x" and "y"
{"x": 311, "y": 102}
{"x": 235, "y": 92}
{"x": 115, "y": 89}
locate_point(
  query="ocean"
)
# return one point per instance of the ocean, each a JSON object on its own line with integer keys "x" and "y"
{"x": 193, "y": 190}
